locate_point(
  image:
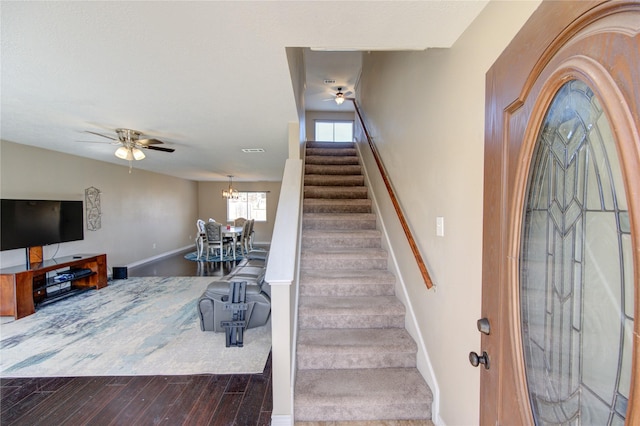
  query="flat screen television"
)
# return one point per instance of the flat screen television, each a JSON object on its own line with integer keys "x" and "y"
{"x": 32, "y": 223}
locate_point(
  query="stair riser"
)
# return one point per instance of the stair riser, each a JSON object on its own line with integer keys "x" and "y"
{"x": 341, "y": 290}
{"x": 374, "y": 359}
{"x": 330, "y": 413}
{"x": 338, "y": 224}
{"x": 340, "y": 242}
{"x": 334, "y": 180}
{"x": 331, "y": 160}
{"x": 331, "y": 145}
{"x": 349, "y": 321}
{"x": 332, "y": 151}
{"x": 316, "y": 169}
{"x": 336, "y": 208}
{"x": 325, "y": 263}
{"x": 336, "y": 192}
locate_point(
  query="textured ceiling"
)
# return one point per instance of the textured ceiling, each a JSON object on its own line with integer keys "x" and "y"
{"x": 208, "y": 77}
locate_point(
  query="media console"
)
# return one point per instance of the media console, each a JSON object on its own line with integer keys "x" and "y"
{"x": 23, "y": 287}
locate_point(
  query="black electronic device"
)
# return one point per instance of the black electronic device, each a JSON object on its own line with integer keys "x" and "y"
{"x": 32, "y": 223}
{"x": 74, "y": 273}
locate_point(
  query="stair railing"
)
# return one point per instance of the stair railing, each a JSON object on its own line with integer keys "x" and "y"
{"x": 394, "y": 200}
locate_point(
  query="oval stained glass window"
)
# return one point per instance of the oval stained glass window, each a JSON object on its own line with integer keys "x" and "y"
{"x": 576, "y": 272}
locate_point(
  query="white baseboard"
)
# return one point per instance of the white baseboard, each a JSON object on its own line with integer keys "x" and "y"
{"x": 159, "y": 256}
{"x": 281, "y": 420}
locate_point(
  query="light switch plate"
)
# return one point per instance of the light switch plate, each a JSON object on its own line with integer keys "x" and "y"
{"x": 440, "y": 226}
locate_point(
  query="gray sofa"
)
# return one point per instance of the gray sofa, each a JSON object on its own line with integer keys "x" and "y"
{"x": 251, "y": 270}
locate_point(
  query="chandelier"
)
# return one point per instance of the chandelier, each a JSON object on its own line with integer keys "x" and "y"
{"x": 230, "y": 193}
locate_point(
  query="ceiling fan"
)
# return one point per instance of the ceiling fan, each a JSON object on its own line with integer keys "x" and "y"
{"x": 340, "y": 96}
{"x": 132, "y": 145}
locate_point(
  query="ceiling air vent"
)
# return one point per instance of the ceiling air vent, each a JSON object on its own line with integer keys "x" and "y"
{"x": 252, "y": 150}
{"x": 329, "y": 82}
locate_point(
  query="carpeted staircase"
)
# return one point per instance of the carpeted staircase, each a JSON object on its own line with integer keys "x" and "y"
{"x": 355, "y": 360}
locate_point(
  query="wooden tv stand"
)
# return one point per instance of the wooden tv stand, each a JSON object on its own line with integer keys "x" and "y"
{"x": 22, "y": 286}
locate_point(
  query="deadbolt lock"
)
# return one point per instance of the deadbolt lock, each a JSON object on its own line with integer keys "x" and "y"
{"x": 483, "y": 326}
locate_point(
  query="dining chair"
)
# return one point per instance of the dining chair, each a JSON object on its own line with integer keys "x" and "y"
{"x": 200, "y": 238}
{"x": 215, "y": 240}
{"x": 250, "y": 236}
{"x": 239, "y": 221}
{"x": 241, "y": 241}
{"x": 246, "y": 235}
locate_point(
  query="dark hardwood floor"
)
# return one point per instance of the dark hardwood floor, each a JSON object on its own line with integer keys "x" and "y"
{"x": 141, "y": 400}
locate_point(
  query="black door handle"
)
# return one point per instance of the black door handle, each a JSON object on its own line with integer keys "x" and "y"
{"x": 476, "y": 359}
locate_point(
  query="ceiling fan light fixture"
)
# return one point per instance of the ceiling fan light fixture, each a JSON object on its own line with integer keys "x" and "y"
{"x": 138, "y": 154}
{"x": 123, "y": 153}
{"x": 339, "y": 96}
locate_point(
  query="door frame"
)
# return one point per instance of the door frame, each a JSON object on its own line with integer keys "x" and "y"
{"x": 517, "y": 72}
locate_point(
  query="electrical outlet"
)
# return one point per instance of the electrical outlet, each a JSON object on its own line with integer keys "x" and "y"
{"x": 440, "y": 226}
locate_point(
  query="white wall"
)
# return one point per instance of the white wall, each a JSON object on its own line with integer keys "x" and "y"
{"x": 425, "y": 111}
{"x": 139, "y": 209}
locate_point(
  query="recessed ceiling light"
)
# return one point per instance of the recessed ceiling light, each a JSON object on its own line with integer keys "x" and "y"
{"x": 252, "y": 150}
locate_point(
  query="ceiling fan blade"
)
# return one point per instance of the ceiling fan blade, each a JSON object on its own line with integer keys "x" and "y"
{"x": 112, "y": 143}
{"x": 100, "y": 134}
{"x": 149, "y": 141}
{"x": 158, "y": 148}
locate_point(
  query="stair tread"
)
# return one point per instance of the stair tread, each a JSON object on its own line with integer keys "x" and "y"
{"x": 355, "y": 340}
{"x": 337, "y": 145}
{"x": 328, "y": 169}
{"x": 358, "y": 217}
{"x": 345, "y": 205}
{"x": 366, "y": 387}
{"x": 336, "y": 192}
{"x": 334, "y": 180}
{"x": 333, "y": 233}
{"x": 332, "y": 160}
{"x": 365, "y": 276}
{"x": 353, "y": 239}
{"x": 341, "y": 201}
{"x": 351, "y": 305}
{"x": 346, "y": 252}
{"x": 347, "y": 282}
{"x": 334, "y": 189}
{"x": 331, "y": 151}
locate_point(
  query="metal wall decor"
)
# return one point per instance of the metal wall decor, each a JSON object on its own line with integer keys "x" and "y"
{"x": 94, "y": 210}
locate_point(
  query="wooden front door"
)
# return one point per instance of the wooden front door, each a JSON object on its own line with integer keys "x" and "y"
{"x": 561, "y": 245}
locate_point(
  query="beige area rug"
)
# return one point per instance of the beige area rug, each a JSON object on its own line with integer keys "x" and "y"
{"x": 137, "y": 326}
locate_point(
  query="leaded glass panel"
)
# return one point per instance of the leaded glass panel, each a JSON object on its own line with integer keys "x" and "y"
{"x": 576, "y": 271}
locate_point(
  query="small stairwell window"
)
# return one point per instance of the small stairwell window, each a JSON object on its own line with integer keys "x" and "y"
{"x": 334, "y": 131}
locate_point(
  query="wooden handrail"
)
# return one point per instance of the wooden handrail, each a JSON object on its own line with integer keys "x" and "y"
{"x": 396, "y": 205}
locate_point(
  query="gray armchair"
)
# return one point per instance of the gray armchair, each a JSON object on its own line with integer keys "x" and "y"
{"x": 211, "y": 305}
